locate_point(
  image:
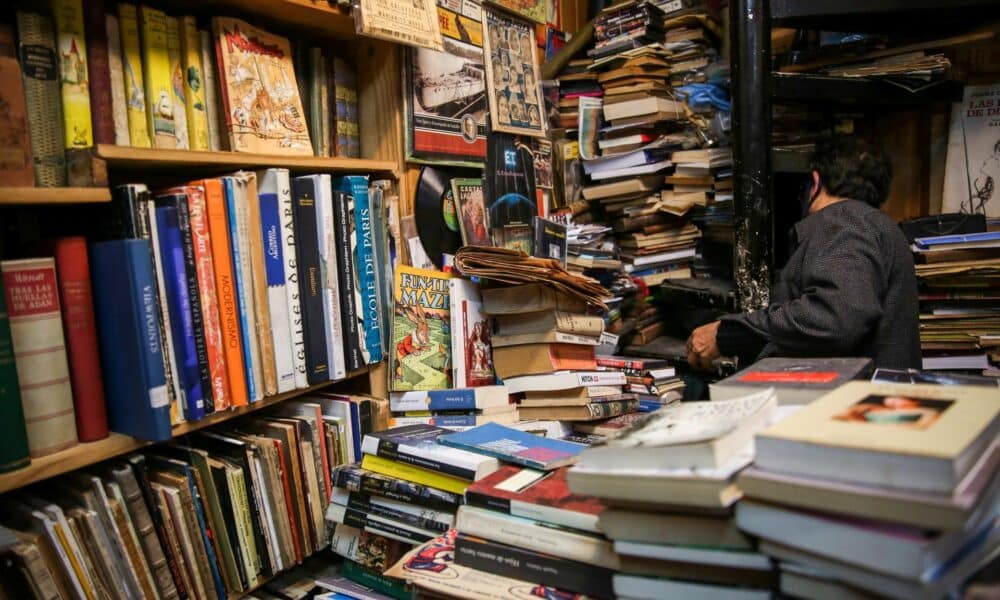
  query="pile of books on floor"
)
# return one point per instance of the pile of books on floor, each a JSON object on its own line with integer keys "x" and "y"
{"x": 959, "y": 301}
{"x": 890, "y": 489}
{"x": 669, "y": 483}
{"x": 212, "y": 515}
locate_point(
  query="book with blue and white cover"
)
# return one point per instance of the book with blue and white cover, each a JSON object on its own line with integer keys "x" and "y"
{"x": 515, "y": 446}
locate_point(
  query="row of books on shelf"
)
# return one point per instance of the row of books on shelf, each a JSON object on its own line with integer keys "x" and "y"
{"x": 86, "y": 72}
{"x": 202, "y": 297}
{"x": 212, "y": 514}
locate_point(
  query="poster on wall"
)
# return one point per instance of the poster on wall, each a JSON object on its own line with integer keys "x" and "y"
{"x": 972, "y": 171}
{"x": 512, "y": 87}
{"x": 446, "y": 91}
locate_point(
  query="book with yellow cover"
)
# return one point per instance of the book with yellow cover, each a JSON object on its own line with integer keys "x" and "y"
{"x": 177, "y": 82}
{"x": 135, "y": 91}
{"x": 391, "y": 468}
{"x": 160, "y": 109}
{"x": 73, "y": 77}
{"x": 193, "y": 79}
{"x": 919, "y": 437}
{"x": 260, "y": 97}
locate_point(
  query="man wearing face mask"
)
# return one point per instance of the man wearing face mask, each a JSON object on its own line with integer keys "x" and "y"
{"x": 849, "y": 288}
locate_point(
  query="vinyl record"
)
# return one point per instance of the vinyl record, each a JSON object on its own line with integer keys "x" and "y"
{"x": 434, "y": 211}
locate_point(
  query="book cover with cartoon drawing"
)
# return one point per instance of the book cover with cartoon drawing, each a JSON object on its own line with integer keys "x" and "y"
{"x": 420, "y": 358}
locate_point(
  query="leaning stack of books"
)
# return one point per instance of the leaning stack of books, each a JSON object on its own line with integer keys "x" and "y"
{"x": 669, "y": 485}
{"x": 887, "y": 488}
{"x": 959, "y": 305}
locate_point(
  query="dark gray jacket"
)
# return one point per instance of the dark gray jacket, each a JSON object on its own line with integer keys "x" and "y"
{"x": 849, "y": 289}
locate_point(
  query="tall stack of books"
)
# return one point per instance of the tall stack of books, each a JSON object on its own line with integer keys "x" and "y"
{"x": 575, "y": 81}
{"x": 887, "y": 488}
{"x": 669, "y": 485}
{"x": 959, "y": 305}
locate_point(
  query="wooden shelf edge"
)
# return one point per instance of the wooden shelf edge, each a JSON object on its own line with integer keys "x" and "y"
{"x": 15, "y": 196}
{"x": 116, "y": 444}
{"x": 126, "y": 156}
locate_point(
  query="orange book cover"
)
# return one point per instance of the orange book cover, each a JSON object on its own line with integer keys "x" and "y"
{"x": 229, "y": 320}
{"x": 205, "y": 268}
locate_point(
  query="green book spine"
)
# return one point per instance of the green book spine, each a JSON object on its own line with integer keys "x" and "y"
{"x": 390, "y": 586}
{"x": 13, "y": 435}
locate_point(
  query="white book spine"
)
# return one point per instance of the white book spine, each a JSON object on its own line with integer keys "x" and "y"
{"x": 54, "y": 538}
{"x": 119, "y": 105}
{"x": 297, "y": 340}
{"x": 458, "y": 334}
{"x": 274, "y": 267}
{"x": 211, "y": 90}
{"x": 243, "y": 231}
{"x": 328, "y": 267}
{"x": 179, "y": 396}
{"x": 408, "y": 401}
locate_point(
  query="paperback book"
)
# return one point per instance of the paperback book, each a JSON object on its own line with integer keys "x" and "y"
{"x": 421, "y": 355}
{"x": 512, "y": 445}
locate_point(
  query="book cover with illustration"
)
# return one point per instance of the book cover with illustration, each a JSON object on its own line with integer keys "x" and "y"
{"x": 421, "y": 331}
{"x": 73, "y": 77}
{"x": 259, "y": 92}
{"x": 471, "y": 351}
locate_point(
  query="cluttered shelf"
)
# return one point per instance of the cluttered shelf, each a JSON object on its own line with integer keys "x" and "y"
{"x": 316, "y": 17}
{"x": 116, "y": 444}
{"x": 53, "y": 195}
{"x": 125, "y": 157}
{"x": 859, "y": 90}
{"x": 874, "y": 14}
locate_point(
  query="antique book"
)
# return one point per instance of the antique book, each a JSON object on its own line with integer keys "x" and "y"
{"x": 133, "y": 80}
{"x": 16, "y": 168}
{"x": 528, "y": 298}
{"x": 116, "y": 76}
{"x": 99, "y": 71}
{"x": 210, "y": 85}
{"x": 39, "y": 65}
{"x": 470, "y": 336}
{"x": 74, "y": 78}
{"x": 160, "y": 109}
{"x": 420, "y": 358}
{"x": 14, "y": 442}
{"x": 193, "y": 80}
{"x": 581, "y": 412}
{"x": 178, "y": 102}
{"x": 259, "y": 94}
{"x": 32, "y": 296}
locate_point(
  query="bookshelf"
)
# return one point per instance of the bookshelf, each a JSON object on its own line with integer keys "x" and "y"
{"x": 147, "y": 159}
{"x": 26, "y": 196}
{"x": 116, "y": 444}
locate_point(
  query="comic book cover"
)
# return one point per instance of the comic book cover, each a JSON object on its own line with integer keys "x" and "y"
{"x": 259, "y": 92}
{"x": 421, "y": 330}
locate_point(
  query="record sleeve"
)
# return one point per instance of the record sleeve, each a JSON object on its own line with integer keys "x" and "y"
{"x": 434, "y": 210}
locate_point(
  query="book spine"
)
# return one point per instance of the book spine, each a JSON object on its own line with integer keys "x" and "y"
{"x": 146, "y": 532}
{"x": 99, "y": 70}
{"x": 38, "y": 571}
{"x": 277, "y": 296}
{"x": 221, "y": 480}
{"x": 133, "y": 81}
{"x": 293, "y": 296}
{"x": 209, "y": 299}
{"x": 211, "y": 87}
{"x": 385, "y": 528}
{"x": 389, "y": 586}
{"x": 413, "y": 456}
{"x": 395, "y": 489}
{"x": 345, "y": 279}
{"x": 132, "y": 550}
{"x": 262, "y": 316}
{"x": 310, "y": 284}
{"x": 179, "y": 304}
{"x": 240, "y": 285}
{"x": 229, "y": 327}
{"x": 357, "y": 186}
{"x": 40, "y": 68}
{"x": 32, "y": 296}
{"x": 328, "y": 275}
{"x": 156, "y": 73}
{"x": 351, "y": 543}
{"x": 193, "y": 81}
{"x": 252, "y": 337}
{"x": 244, "y": 524}
{"x": 204, "y": 532}
{"x": 178, "y": 101}
{"x": 174, "y": 528}
{"x": 77, "y": 128}
{"x": 401, "y": 470}
{"x": 76, "y": 296}
{"x": 346, "y": 134}
{"x": 195, "y": 301}
{"x": 316, "y": 84}
{"x": 518, "y": 563}
{"x": 14, "y": 441}
{"x": 364, "y": 505}
{"x": 116, "y": 79}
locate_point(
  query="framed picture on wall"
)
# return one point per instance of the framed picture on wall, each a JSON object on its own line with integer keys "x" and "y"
{"x": 511, "y": 61}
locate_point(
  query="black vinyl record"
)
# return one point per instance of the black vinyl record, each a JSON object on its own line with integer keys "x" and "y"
{"x": 434, "y": 211}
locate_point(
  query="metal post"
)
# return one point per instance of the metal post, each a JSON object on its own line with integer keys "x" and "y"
{"x": 750, "y": 48}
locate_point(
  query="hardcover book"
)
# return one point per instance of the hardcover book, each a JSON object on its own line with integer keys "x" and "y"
{"x": 116, "y": 76}
{"x": 14, "y": 442}
{"x": 286, "y": 209}
{"x": 419, "y": 445}
{"x": 32, "y": 295}
{"x": 250, "y": 224}
{"x": 211, "y": 89}
{"x": 563, "y": 380}
{"x": 795, "y": 380}
{"x": 177, "y": 82}
{"x": 367, "y": 549}
{"x": 479, "y": 398}
{"x": 135, "y": 87}
{"x": 472, "y": 221}
{"x": 328, "y": 274}
{"x": 355, "y": 479}
{"x": 550, "y": 240}
{"x": 237, "y": 208}
{"x": 349, "y": 319}
{"x": 362, "y": 243}
{"x": 74, "y": 78}
{"x": 582, "y": 412}
{"x": 421, "y": 358}
{"x": 417, "y": 475}
{"x": 540, "y": 358}
{"x": 192, "y": 79}
{"x": 156, "y": 73}
{"x": 309, "y": 278}
{"x": 39, "y": 65}
{"x": 471, "y": 351}
{"x": 512, "y": 445}
{"x": 259, "y": 93}
{"x": 16, "y": 167}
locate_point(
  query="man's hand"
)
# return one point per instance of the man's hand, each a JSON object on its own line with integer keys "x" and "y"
{"x": 702, "y": 347}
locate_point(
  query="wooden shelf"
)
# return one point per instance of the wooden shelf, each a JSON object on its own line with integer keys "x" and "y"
{"x": 83, "y": 455}
{"x": 125, "y": 157}
{"x": 314, "y": 16}
{"x": 53, "y": 195}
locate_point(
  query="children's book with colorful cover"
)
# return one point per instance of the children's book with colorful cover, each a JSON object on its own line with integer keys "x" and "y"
{"x": 420, "y": 358}
{"x": 259, "y": 92}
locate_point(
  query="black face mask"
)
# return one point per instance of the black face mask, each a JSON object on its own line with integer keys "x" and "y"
{"x": 806, "y": 198}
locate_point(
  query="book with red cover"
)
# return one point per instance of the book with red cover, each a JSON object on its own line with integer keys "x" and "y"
{"x": 99, "y": 73}
{"x": 73, "y": 273}
{"x": 537, "y": 495}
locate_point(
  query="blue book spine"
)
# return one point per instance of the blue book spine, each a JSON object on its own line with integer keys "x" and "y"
{"x": 357, "y": 186}
{"x": 241, "y": 287}
{"x": 454, "y": 420}
{"x": 650, "y": 405}
{"x": 127, "y": 313}
{"x": 461, "y": 399}
{"x": 179, "y": 304}
{"x": 213, "y": 561}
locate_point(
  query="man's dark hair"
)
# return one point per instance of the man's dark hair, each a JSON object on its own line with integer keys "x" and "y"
{"x": 850, "y": 167}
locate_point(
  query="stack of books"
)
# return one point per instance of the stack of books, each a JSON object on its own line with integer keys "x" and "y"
{"x": 959, "y": 305}
{"x": 889, "y": 488}
{"x": 654, "y": 381}
{"x": 669, "y": 485}
{"x": 211, "y": 516}
{"x": 575, "y": 81}
{"x": 455, "y": 409}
